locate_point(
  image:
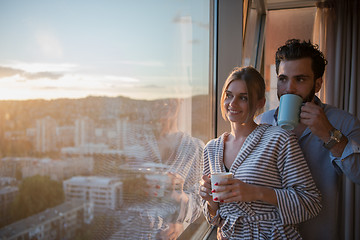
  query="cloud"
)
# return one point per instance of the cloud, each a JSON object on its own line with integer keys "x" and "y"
{"x": 152, "y": 86}
{"x": 182, "y": 19}
{"x": 187, "y": 19}
{"x": 9, "y": 72}
{"x": 49, "y": 75}
{"x": 43, "y": 67}
{"x": 50, "y": 88}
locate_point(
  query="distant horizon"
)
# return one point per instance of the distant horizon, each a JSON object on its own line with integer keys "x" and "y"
{"x": 101, "y": 96}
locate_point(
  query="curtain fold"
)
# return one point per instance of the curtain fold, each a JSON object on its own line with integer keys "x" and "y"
{"x": 324, "y": 36}
{"x": 337, "y": 32}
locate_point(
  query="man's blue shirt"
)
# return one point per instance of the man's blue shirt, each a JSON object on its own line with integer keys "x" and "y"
{"x": 327, "y": 169}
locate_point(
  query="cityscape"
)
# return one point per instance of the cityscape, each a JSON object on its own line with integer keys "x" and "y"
{"x": 104, "y": 111}
{"x": 83, "y": 162}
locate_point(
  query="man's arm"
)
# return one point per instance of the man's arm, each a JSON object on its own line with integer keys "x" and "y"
{"x": 345, "y": 153}
{"x": 338, "y": 149}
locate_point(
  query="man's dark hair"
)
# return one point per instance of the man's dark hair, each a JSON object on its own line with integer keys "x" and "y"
{"x": 295, "y": 49}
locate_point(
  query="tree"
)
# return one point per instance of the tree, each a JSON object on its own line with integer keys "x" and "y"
{"x": 36, "y": 194}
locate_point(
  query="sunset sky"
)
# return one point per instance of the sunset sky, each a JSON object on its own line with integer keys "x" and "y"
{"x": 141, "y": 49}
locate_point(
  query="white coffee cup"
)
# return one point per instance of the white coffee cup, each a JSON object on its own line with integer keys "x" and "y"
{"x": 157, "y": 184}
{"x": 217, "y": 177}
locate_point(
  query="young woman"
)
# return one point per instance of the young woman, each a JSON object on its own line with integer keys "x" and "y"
{"x": 272, "y": 189}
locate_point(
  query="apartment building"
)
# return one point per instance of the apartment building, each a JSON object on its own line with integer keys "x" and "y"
{"x": 60, "y": 222}
{"x": 104, "y": 192}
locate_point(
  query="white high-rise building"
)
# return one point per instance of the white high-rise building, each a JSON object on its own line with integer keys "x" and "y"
{"x": 122, "y": 127}
{"x": 103, "y": 192}
{"x": 45, "y": 134}
{"x": 84, "y": 131}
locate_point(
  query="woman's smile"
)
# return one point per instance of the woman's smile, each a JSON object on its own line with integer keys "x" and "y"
{"x": 232, "y": 111}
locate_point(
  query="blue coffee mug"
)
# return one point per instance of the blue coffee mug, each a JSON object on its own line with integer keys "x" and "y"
{"x": 289, "y": 111}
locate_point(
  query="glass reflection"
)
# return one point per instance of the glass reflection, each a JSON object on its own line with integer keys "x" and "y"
{"x": 103, "y": 116}
{"x": 161, "y": 193}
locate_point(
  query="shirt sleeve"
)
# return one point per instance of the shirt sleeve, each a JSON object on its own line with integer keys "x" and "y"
{"x": 299, "y": 199}
{"x": 349, "y": 162}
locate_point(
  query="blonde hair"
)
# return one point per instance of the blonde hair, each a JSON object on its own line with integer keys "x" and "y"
{"x": 255, "y": 86}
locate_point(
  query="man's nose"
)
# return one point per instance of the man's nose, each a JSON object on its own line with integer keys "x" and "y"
{"x": 291, "y": 87}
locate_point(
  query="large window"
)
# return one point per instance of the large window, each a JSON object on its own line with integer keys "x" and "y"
{"x": 266, "y": 30}
{"x": 104, "y": 111}
{"x": 282, "y": 25}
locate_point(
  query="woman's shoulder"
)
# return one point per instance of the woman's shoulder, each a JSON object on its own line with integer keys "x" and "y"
{"x": 276, "y": 131}
{"x": 279, "y": 130}
{"x": 216, "y": 141}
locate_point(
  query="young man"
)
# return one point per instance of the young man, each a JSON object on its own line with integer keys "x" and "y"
{"x": 328, "y": 136}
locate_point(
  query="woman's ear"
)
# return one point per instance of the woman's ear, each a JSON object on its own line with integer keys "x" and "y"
{"x": 260, "y": 103}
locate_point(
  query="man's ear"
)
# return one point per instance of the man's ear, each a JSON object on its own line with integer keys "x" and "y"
{"x": 318, "y": 83}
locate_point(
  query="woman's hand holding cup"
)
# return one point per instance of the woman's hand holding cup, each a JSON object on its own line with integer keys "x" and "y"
{"x": 217, "y": 178}
{"x": 205, "y": 188}
{"x": 205, "y": 193}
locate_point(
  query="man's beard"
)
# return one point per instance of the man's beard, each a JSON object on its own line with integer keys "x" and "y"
{"x": 310, "y": 96}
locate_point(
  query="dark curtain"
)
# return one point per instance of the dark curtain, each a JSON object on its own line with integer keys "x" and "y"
{"x": 337, "y": 31}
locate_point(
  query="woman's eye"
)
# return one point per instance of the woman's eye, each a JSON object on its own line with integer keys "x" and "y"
{"x": 243, "y": 98}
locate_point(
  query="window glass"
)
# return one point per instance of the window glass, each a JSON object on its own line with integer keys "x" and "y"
{"x": 282, "y": 25}
{"x": 251, "y": 37}
{"x": 104, "y": 111}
